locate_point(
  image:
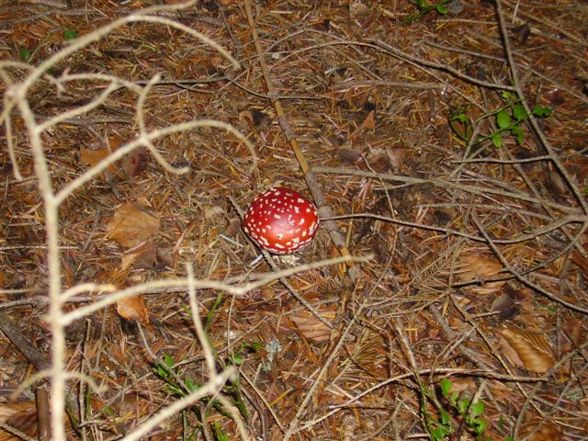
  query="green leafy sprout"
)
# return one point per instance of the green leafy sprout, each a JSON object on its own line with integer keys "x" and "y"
{"x": 70, "y": 34}
{"x": 457, "y": 412}
{"x": 424, "y": 7}
{"x": 509, "y": 120}
{"x": 25, "y": 54}
{"x": 178, "y": 386}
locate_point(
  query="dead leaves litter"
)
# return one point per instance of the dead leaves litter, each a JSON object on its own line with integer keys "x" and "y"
{"x": 133, "y": 226}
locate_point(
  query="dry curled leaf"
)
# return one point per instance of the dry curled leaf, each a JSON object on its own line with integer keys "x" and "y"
{"x": 528, "y": 349}
{"x": 575, "y": 331}
{"x": 311, "y": 327}
{"x": 132, "y": 224}
{"x": 90, "y": 157}
{"x": 22, "y": 416}
{"x": 358, "y": 10}
{"x": 141, "y": 256}
{"x": 477, "y": 267}
{"x": 540, "y": 430}
{"x": 134, "y": 309}
{"x": 135, "y": 162}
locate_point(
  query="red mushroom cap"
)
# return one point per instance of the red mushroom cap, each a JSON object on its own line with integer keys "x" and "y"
{"x": 281, "y": 221}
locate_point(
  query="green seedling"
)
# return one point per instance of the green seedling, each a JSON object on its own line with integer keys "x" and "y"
{"x": 180, "y": 387}
{"x": 461, "y": 124}
{"x": 509, "y": 121}
{"x": 457, "y": 414}
{"x": 69, "y": 34}
{"x": 218, "y": 301}
{"x": 219, "y": 433}
{"x": 25, "y": 54}
{"x": 424, "y": 7}
{"x": 471, "y": 413}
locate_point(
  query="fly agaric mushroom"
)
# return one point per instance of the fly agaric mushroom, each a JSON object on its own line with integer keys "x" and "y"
{"x": 281, "y": 221}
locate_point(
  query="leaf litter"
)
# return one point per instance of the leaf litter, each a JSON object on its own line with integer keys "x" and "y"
{"x": 378, "y": 123}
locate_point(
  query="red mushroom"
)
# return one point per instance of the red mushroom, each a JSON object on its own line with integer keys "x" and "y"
{"x": 281, "y": 221}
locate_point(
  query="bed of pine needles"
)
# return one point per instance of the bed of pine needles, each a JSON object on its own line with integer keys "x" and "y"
{"x": 407, "y": 123}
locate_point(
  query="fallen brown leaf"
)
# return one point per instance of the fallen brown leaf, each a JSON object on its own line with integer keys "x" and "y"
{"x": 368, "y": 123}
{"x": 90, "y": 157}
{"x": 532, "y": 350}
{"x": 540, "y": 430}
{"x": 477, "y": 267}
{"x": 131, "y": 224}
{"x": 135, "y": 162}
{"x": 21, "y": 415}
{"x": 311, "y": 327}
{"x": 575, "y": 333}
{"x": 133, "y": 308}
{"x": 141, "y": 256}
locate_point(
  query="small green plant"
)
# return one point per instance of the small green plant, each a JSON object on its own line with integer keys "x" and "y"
{"x": 219, "y": 433}
{"x": 180, "y": 387}
{"x": 509, "y": 120}
{"x": 470, "y": 413}
{"x": 25, "y": 54}
{"x": 424, "y": 7}
{"x": 455, "y": 413}
{"x": 70, "y": 34}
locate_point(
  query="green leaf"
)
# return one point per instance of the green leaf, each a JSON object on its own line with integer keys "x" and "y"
{"x": 161, "y": 371}
{"x": 168, "y": 360}
{"x": 542, "y": 111}
{"x": 519, "y": 132}
{"x": 191, "y": 385}
{"x": 446, "y": 386}
{"x": 25, "y": 54}
{"x": 70, "y": 34}
{"x": 461, "y": 117}
{"x": 441, "y": 9}
{"x": 519, "y": 112}
{"x": 255, "y": 346}
{"x": 479, "y": 425}
{"x": 477, "y": 409}
{"x": 444, "y": 417}
{"x": 509, "y": 438}
{"x": 497, "y": 140}
{"x": 219, "y": 433}
{"x": 503, "y": 119}
{"x": 237, "y": 359}
{"x": 462, "y": 406}
{"x": 453, "y": 399}
{"x": 423, "y": 5}
{"x": 439, "y": 433}
{"x": 172, "y": 389}
{"x": 508, "y": 96}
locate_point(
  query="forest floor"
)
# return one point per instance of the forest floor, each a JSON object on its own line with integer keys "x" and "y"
{"x": 445, "y": 145}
